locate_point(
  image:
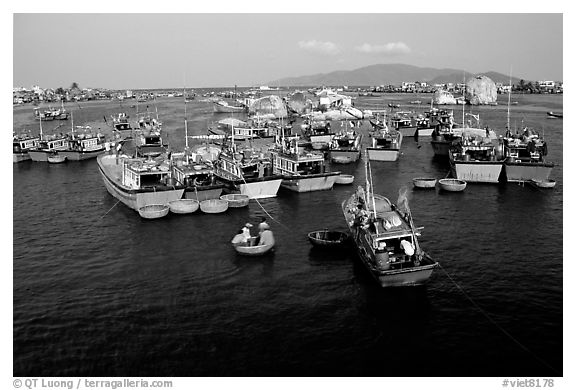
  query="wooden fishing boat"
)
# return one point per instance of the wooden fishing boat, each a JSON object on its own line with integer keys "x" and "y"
{"x": 328, "y": 238}
{"x": 20, "y": 146}
{"x": 256, "y": 250}
{"x": 424, "y": 182}
{"x": 386, "y": 239}
{"x": 453, "y": 185}
{"x": 184, "y": 206}
{"x": 214, "y": 206}
{"x": 344, "y": 179}
{"x": 153, "y": 211}
{"x": 548, "y": 183}
{"x": 236, "y": 200}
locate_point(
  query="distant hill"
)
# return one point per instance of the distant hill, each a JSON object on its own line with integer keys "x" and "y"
{"x": 385, "y": 74}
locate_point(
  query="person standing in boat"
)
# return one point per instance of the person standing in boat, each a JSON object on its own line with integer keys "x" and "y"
{"x": 246, "y": 232}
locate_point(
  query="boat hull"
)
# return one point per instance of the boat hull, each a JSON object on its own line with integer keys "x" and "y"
{"x": 477, "y": 171}
{"x": 382, "y": 154}
{"x": 322, "y": 138}
{"x": 520, "y": 172}
{"x": 318, "y": 182}
{"x": 135, "y": 199}
{"x": 74, "y": 155}
{"x": 39, "y": 155}
{"x": 19, "y": 157}
{"x": 200, "y": 194}
{"x": 227, "y": 109}
{"x": 441, "y": 148}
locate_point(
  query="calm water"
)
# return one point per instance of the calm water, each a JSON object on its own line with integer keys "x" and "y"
{"x": 100, "y": 292}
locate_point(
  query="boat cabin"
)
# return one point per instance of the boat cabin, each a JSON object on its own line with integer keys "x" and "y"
{"x": 289, "y": 160}
{"x": 141, "y": 174}
{"x": 120, "y": 122}
{"x": 85, "y": 143}
{"x": 50, "y": 144}
{"x": 525, "y": 150}
{"x": 474, "y": 149}
{"x": 23, "y": 144}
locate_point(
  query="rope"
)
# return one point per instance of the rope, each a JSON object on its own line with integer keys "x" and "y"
{"x": 490, "y": 319}
{"x": 266, "y": 212}
{"x": 110, "y": 209}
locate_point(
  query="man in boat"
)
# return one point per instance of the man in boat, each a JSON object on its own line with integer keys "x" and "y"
{"x": 408, "y": 248}
{"x": 266, "y": 236}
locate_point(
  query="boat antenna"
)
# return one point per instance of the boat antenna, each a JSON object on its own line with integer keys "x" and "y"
{"x": 72, "y": 123}
{"x": 185, "y": 115}
{"x": 463, "y": 97}
{"x": 509, "y": 93}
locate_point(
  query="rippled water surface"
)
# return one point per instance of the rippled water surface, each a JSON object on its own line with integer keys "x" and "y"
{"x": 99, "y": 291}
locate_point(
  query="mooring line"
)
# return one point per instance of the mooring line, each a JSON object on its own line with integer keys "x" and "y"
{"x": 110, "y": 209}
{"x": 485, "y": 314}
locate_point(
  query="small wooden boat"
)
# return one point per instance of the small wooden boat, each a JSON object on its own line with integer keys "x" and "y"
{"x": 424, "y": 182}
{"x": 214, "y": 206}
{"x": 554, "y": 114}
{"x": 549, "y": 183}
{"x": 327, "y": 238}
{"x": 342, "y": 159}
{"x": 344, "y": 179}
{"x": 56, "y": 159}
{"x": 184, "y": 206}
{"x": 153, "y": 211}
{"x": 236, "y": 200}
{"x": 320, "y": 145}
{"x": 453, "y": 185}
{"x": 256, "y": 250}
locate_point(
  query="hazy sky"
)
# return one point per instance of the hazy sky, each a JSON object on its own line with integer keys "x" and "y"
{"x": 210, "y": 50}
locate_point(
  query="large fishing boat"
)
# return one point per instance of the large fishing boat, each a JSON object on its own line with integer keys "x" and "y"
{"x": 20, "y": 146}
{"x": 47, "y": 145}
{"x": 302, "y": 171}
{"x": 525, "y": 157}
{"x": 83, "y": 144}
{"x": 139, "y": 181}
{"x": 402, "y": 122}
{"x": 476, "y": 159}
{"x": 246, "y": 171}
{"x": 346, "y": 147}
{"x": 386, "y": 239}
{"x": 197, "y": 175}
{"x": 386, "y": 145}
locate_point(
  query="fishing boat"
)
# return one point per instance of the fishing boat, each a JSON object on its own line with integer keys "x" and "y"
{"x": 153, "y": 211}
{"x": 385, "y": 238}
{"x": 555, "y": 115}
{"x": 20, "y": 146}
{"x": 452, "y": 185}
{"x": 525, "y": 157}
{"x": 328, "y": 239}
{"x": 84, "y": 145}
{"x": 443, "y": 134}
{"x": 56, "y": 158}
{"x": 385, "y": 145}
{"x": 120, "y": 122}
{"x": 318, "y": 132}
{"x": 246, "y": 171}
{"x": 345, "y": 147}
{"x": 184, "y": 206}
{"x": 402, "y": 122}
{"x": 424, "y": 182}
{"x": 139, "y": 181}
{"x": 222, "y": 106}
{"x": 302, "y": 171}
{"x": 214, "y": 206}
{"x": 476, "y": 160}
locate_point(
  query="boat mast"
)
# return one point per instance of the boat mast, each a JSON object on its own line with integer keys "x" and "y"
{"x": 72, "y": 123}
{"x": 185, "y": 116}
{"x": 41, "y": 137}
{"x": 463, "y": 98}
{"x": 509, "y": 93}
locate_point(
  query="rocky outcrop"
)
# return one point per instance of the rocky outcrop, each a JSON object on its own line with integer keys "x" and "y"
{"x": 481, "y": 90}
{"x": 443, "y": 97}
{"x": 272, "y": 106}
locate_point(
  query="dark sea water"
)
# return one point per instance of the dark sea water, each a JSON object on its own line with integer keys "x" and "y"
{"x": 98, "y": 291}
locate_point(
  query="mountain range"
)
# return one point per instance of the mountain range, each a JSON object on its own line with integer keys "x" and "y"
{"x": 388, "y": 74}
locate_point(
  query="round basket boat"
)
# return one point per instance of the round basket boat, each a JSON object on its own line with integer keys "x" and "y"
{"x": 56, "y": 159}
{"x": 153, "y": 211}
{"x": 184, "y": 206}
{"x": 344, "y": 179}
{"x": 342, "y": 159}
{"x": 327, "y": 238}
{"x": 454, "y": 185}
{"x": 548, "y": 183}
{"x": 256, "y": 250}
{"x": 214, "y": 206}
{"x": 424, "y": 182}
{"x": 236, "y": 200}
